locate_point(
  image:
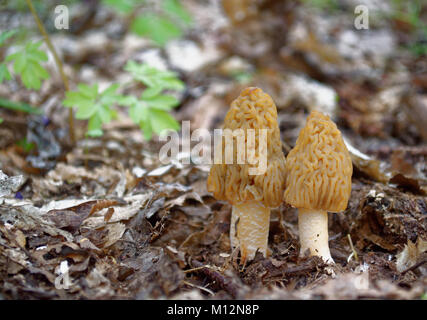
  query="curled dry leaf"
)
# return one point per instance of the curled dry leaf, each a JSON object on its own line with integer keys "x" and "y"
{"x": 411, "y": 255}
{"x": 8, "y": 185}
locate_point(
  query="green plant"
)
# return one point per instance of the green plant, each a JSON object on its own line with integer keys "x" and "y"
{"x": 151, "y": 110}
{"x": 24, "y": 63}
{"x": 156, "y": 80}
{"x": 27, "y": 63}
{"x": 93, "y": 105}
{"x": 4, "y": 71}
{"x": 175, "y": 9}
{"x": 410, "y": 12}
{"x": 123, "y": 6}
{"x": 167, "y": 22}
{"x": 25, "y": 145}
{"x": 157, "y": 28}
{"x": 58, "y": 63}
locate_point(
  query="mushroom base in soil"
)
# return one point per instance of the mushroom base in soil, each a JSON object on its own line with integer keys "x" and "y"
{"x": 313, "y": 233}
{"x": 249, "y": 228}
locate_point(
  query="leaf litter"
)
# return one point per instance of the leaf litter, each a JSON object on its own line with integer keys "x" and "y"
{"x": 106, "y": 219}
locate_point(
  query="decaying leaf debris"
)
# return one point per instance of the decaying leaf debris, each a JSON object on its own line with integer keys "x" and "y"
{"x": 105, "y": 219}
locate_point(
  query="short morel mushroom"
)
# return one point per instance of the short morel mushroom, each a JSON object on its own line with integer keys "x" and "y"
{"x": 251, "y": 195}
{"x": 318, "y": 180}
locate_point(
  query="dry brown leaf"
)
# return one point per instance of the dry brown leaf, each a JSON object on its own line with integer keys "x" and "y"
{"x": 411, "y": 254}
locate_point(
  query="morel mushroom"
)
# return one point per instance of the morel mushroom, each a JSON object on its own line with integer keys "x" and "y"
{"x": 318, "y": 180}
{"x": 251, "y": 195}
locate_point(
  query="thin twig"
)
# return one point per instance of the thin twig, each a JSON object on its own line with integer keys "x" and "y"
{"x": 354, "y": 253}
{"x": 415, "y": 266}
{"x": 221, "y": 280}
{"x": 196, "y": 269}
{"x": 58, "y": 64}
{"x": 199, "y": 287}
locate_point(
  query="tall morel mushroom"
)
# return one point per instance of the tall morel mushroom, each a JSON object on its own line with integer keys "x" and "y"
{"x": 318, "y": 180}
{"x": 252, "y": 195}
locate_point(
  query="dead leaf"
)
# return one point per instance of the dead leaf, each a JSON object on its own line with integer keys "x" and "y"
{"x": 411, "y": 254}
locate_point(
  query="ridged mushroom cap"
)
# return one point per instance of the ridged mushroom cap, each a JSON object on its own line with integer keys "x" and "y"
{"x": 253, "y": 109}
{"x": 319, "y": 167}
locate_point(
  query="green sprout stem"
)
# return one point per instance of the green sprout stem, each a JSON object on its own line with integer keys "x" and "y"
{"x": 58, "y": 64}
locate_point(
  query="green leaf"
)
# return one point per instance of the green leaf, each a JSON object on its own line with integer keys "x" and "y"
{"x": 94, "y": 128}
{"x": 111, "y": 90}
{"x": 161, "y": 120}
{"x": 127, "y": 101}
{"x": 150, "y": 112}
{"x": 151, "y": 92}
{"x": 26, "y": 63}
{"x": 162, "y": 102}
{"x": 109, "y": 95}
{"x": 94, "y": 106}
{"x": 157, "y": 80}
{"x": 25, "y": 145}
{"x": 87, "y": 110}
{"x": 150, "y": 116}
{"x": 175, "y": 8}
{"x": 106, "y": 114}
{"x": 139, "y": 113}
{"x": 4, "y": 72}
{"x": 123, "y": 6}
{"x": 1, "y": 120}
{"x": 90, "y": 92}
{"x": 155, "y": 27}
{"x": 147, "y": 129}
{"x": 19, "y": 106}
{"x": 6, "y": 35}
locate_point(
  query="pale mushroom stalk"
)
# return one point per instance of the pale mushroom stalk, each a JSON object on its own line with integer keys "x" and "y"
{"x": 250, "y": 222}
{"x": 313, "y": 233}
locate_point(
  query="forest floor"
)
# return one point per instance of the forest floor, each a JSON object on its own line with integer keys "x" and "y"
{"x": 105, "y": 219}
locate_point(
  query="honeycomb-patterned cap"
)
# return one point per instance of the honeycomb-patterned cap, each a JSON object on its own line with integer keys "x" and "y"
{"x": 319, "y": 167}
{"x": 253, "y": 109}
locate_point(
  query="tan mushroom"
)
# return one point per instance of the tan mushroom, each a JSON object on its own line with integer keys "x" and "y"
{"x": 318, "y": 180}
{"x": 252, "y": 195}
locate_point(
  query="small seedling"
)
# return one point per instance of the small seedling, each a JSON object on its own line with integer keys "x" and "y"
{"x": 156, "y": 80}
{"x": 150, "y": 111}
{"x": 27, "y": 63}
{"x": 93, "y": 105}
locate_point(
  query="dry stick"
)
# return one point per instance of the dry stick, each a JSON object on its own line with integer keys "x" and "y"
{"x": 352, "y": 247}
{"x": 415, "y": 266}
{"x": 58, "y": 64}
{"x": 222, "y": 281}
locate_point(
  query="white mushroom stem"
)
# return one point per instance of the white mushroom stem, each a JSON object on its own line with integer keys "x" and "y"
{"x": 313, "y": 233}
{"x": 250, "y": 223}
